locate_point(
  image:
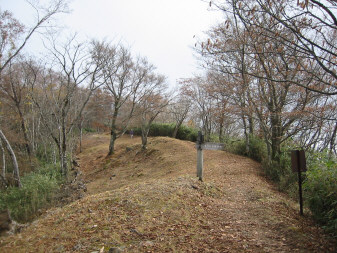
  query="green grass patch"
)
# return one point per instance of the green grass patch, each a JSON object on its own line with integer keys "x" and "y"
{"x": 37, "y": 192}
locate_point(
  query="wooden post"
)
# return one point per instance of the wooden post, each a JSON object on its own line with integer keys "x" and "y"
{"x": 200, "y": 145}
{"x": 298, "y": 164}
{"x": 300, "y": 189}
{"x": 199, "y": 163}
{"x": 199, "y": 156}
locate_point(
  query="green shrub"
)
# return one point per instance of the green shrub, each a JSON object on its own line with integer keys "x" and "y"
{"x": 157, "y": 129}
{"x": 187, "y": 133}
{"x": 320, "y": 181}
{"x": 237, "y": 147}
{"x": 161, "y": 129}
{"x": 37, "y": 192}
{"x": 44, "y": 153}
{"x": 320, "y": 189}
{"x": 257, "y": 148}
{"x": 89, "y": 130}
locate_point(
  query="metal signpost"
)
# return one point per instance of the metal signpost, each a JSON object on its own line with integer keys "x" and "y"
{"x": 298, "y": 164}
{"x": 200, "y": 145}
{"x": 200, "y": 140}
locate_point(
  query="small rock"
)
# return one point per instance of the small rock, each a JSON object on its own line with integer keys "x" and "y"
{"x": 77, "y": 246}
{"x": 135, "y": 231}
{"x": 195, "y": 187}
{"x": 75, "y": 163}
{"x": 115, "y": 250}
{"x": 60, "y": 248}
{"x": 147, "y": 244}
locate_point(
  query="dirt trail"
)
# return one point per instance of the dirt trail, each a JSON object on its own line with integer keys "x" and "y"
{"x": 151, "y": 201}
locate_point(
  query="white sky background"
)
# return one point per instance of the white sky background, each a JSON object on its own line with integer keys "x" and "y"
{"x": 161, "y": 30}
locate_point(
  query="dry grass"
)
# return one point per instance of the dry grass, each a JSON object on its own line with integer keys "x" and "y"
{"x": 150, "y": 201}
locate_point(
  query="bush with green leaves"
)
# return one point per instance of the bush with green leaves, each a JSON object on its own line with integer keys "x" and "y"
{"x": 163, "y": 129}
{"x": 320, "y": 181}
{"x": 37, "y": 192}
{"x": 257, "y": 148}
{"x": 278, "y": 171}
{"x": 320, "y": 189}
{"x": 187, "y": 133}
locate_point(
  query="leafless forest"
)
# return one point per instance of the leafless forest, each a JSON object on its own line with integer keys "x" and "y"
{"x": 269, "y": 86}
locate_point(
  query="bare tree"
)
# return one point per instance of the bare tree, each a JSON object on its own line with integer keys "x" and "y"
{"x": 14, "y": 87}
{"x": 153, "y": 99}
{"x": 13, "y": 39}
{"x": 13, "y": 157}
{"x": 14, "y": 36}
{"x": 180, "y": 109}
{"x": 3, "y": 168}
{"x": 254, "y": 63}
{"x": 72, "y": 71}
{"x": 309, "y": 27}
{"x": 196, "y": 89}
{"x": 124, "y": 78}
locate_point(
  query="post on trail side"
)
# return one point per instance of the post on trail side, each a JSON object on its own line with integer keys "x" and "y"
{"x": 199, "y": 143}
{"x": 299, "y": 165}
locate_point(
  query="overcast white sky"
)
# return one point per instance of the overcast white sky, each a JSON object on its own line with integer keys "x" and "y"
{"x": 161, "y": 30}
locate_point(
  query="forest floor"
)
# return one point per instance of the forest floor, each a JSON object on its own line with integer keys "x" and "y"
{"x": 151, "y": 201}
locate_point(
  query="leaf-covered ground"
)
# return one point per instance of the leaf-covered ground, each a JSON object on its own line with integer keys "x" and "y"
{"x": 151, "y": 201}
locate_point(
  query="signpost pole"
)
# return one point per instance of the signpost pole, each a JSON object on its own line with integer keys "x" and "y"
{"x": 298, "y": 164}
{"x": 199, "y": 156}
{"x": 200, "y": 145}
{"x": 199, "y": 163}
{"x": 299, "y": 169}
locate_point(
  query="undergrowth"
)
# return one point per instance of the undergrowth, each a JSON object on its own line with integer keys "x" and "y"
{"x": 320, "y": 189}
{"x": 37, "y": 192}
{"x": 184, "y": 132}
{"x": 320, "y": 180}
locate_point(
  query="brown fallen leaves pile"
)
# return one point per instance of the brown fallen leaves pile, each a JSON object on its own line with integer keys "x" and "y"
{"x": 151, "y": 201}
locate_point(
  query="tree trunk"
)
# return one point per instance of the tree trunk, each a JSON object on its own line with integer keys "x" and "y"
{"x": 54, "y": 154}
{"x": 64, "y": 160}
{"x": 64, "y": 151}
{"x": 333, "y": 139}
{"x": 113, "y": 137}
{"x": 145, "y": 133}
{"x": 24, "y": 131}
{"x": 221, "y": 137}
{"x": 275, "y": 137}
{"x": 81, "y": 134}
{"x": 113, "y": 133}
{"x": 3, "y": 171}
{"x": 246, "y": 135}
{"x": 13, "y": 157}
{"x": 33, "y": 131}
{"x": 251, "y": 125}
{"x": 176, "y": 128}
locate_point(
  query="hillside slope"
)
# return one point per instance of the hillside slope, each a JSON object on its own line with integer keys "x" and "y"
{"x": 151, "y": 201}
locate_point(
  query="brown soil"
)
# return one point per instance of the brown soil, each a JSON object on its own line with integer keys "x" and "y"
{"x": 151, "y": 201}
